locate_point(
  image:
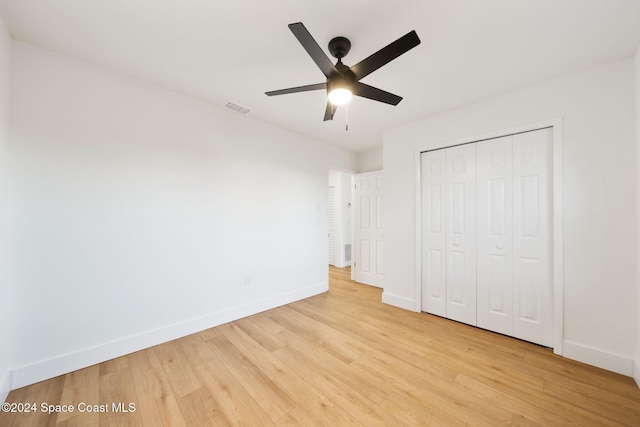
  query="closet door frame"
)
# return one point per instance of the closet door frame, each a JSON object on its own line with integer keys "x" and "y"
{"x": 557, "y": 217}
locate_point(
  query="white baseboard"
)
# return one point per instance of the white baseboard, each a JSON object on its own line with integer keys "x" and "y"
{"x": 5, "y": 386}
{"x": 600, "y": 358}
{"x": 43, "y": 370}
{"x": 343, "y": 264}
{"x": 398, "y": 301}
{"x": 636, "y": 372}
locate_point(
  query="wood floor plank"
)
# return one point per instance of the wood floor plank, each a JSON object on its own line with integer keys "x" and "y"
{"x": 114, "y": 365}
{"x": 267, "y": 393}
{"x": 552, "y": 367}
{"x": 46, "y": 392}
{"x": 541, "y": 402}
{"x": 345, "y": 397}
{"x": 155, "y": 403}
{"x": 117, "y": 387}
{"x": 177, "y": 369}
{"x": 254, "y": 326}
{"x": 340, "y": 358}
{"x": 233, "y": 399}
{"x": 522, "y": 408}
{"x": 593, "y": 399}
{"x": 195, "y": 349}
{"x": 331, "y": 340}
{"x": 415, "y": 413}
{"x": 199, "y": 408}
{"x": 449, "y": 400}
{"x": 337, "y": 368}
{"x": 285, "y": 379}
{"x": 414, "y": 416}
{"x": 81, "y": 388}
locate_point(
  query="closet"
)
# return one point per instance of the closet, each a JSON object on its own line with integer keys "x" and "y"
{"x": 486, "y": 234}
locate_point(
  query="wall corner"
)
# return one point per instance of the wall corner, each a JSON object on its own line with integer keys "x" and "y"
{"x": 636, "y": 75}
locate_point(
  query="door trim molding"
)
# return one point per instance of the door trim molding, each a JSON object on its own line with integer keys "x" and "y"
{"x": 557, "y": 219}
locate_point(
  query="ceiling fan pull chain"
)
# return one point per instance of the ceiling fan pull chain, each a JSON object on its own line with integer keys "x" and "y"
{"x": 346, "y": 120}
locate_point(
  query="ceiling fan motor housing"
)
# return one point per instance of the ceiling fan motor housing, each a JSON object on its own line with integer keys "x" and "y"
{"x": 341, "y": 81}
{"x": 339, "y": 47}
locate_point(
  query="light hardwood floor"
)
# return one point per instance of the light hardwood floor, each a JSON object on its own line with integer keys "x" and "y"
{"x": 341, "y": 358}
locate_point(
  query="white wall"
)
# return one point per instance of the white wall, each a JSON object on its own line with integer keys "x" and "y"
{"x": 138, "y": 215}
{"x": 596, "y": 107}
{"x": 370, "y": 161}
{"x": 346, "y": 200}
{"x": 5, "y": 67}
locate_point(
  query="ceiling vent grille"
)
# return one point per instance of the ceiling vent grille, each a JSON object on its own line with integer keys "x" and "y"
{"x": 237, "y": 108}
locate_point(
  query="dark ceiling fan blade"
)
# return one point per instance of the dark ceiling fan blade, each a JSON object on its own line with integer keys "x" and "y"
{"x": 306, "y": 88}
{"x": 374, "y": 93}
{"x": 313, "y": 49}
{"x": 329, "y": 111}
{"x": 386, "y": 55}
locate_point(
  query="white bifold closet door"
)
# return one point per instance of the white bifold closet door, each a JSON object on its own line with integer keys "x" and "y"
{"x": 495, "y": 235}
{"x": 461, "y": 233}
{"x": 449, "y": 233}
{"x": 491, "y": 266}
{"x": 532, "y": 237}
{"x": 434, "y": 233}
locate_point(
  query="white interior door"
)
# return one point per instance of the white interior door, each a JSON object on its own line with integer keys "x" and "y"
{"x": 461, "y": 233}
{"x": 369, "y": 233}
{"x": 434, "y": 232}
{"x": 495, "y": 235}
{"x": 532, "y": 237}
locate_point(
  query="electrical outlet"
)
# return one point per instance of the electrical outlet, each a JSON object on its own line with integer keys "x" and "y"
{"x": 247, "y": 280}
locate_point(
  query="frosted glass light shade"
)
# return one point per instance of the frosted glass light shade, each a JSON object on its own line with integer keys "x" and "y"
{"x": 340, "y": 96}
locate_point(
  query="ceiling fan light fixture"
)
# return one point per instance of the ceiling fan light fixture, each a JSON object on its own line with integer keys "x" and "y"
{"x": 340, "y": 96}
{"x": 339, "y": 91}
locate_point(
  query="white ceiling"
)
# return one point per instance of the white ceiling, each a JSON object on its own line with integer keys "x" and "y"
{"x": 235, "y": 50}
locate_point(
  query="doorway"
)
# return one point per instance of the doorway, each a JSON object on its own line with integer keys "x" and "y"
{"x": 339, "y": 218}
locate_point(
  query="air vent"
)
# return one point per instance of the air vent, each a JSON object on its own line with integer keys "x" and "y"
{"x": 237, "y": 108}
{"x": 347, "y": 252}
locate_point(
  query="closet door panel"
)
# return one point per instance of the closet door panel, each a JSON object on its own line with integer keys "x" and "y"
{"x": 433, "y": 187}
{"x": 461, "y": 233}
{"x": 532, "y": 212}
{"x": 495, "y": 235}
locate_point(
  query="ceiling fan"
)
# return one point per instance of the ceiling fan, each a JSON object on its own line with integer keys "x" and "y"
{"x": 343, "y": 81}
